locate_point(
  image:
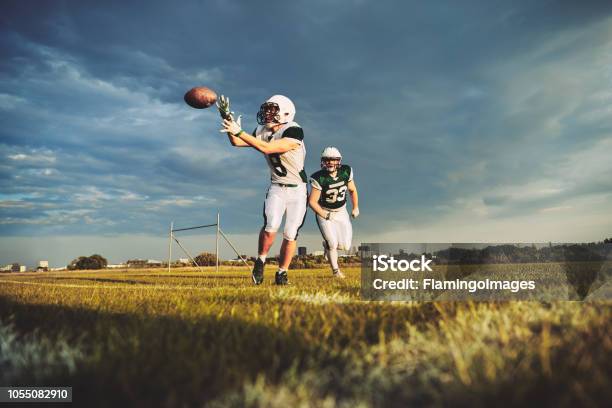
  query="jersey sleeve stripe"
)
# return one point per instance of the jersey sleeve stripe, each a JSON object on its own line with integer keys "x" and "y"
{"x": 294, "y": 132}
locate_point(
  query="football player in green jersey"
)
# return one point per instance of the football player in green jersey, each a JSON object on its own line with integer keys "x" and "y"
{"x": 328, "y": 200}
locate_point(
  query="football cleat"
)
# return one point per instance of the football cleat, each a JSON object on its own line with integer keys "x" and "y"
{"x": 258, "y": 272}
{"x": 281, "y": 278}
{"x": 338, "y": 274}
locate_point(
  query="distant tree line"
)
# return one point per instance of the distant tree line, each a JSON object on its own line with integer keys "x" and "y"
{"x": 206, "y": 259}
{"x": 298, "y": 261}
{"x": 318, "y": 261}
{"x": 94, "y": 261}
{"x": 499, "y": 254}
{"x": 493, "y": 254}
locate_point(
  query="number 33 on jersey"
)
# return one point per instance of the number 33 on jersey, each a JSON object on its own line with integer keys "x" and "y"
{"x": 333, "y": 189}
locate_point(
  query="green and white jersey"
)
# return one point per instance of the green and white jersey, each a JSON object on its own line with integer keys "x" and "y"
{"x": 333, "y": 189}
{"x": 288, "y": 167}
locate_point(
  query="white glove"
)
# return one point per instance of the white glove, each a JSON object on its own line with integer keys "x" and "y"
{"x": 355, "y": 212}
{"x": 232, "y": 127}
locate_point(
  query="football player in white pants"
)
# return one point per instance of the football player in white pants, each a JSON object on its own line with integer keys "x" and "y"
{"x": 281, "y": 140}
{"x": 328, "y": 201}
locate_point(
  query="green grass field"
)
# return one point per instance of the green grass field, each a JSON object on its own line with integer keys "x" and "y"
{"x": 186, "y": 338}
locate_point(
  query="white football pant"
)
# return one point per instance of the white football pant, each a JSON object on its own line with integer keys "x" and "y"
{"x": 338, "y": 231}
{"x": 289, "y": 200}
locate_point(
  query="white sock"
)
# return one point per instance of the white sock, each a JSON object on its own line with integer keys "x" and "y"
{"x": 263, "y": 258}
{"x": 333, "y": 258}
{"x": 282, "y": 270}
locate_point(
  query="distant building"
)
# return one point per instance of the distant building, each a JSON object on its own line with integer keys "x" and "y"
{"x": 14, "y": 267}
{"x": 143, "y": 263}
{"x": 43, "y": 266}
{"x": 302, "y": 251}
{"x": 317, "y": 253}
{"x": 184, "y": 260}
{"x": 116, "y": 266}
{"x": 136, "y": 263}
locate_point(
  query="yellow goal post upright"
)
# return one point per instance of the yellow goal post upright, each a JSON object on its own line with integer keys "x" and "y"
{"x": 219, "y": 234}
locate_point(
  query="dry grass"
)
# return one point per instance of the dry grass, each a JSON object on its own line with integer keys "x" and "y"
{"x": 150, "y": 338}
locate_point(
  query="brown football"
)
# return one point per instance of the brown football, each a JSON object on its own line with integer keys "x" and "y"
{"x": 200, "y": 97}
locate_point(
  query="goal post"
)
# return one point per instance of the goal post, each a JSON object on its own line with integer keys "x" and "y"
{"x": 217, "y": 245}
{"x": 218, "y": 234}
{"x": 170, "y": 245}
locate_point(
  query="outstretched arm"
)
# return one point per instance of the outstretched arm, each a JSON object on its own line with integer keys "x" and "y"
{"x": 274, "y": 146}
{"x": 236, "y": 141}
{"x": 234, "y": 131}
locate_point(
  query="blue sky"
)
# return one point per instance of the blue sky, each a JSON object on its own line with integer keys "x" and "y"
{"x": 472, "y": 121}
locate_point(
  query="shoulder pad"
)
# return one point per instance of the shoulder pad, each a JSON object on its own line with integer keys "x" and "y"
{"x": 316, "y": 175}
{"x": 345, "y": 170}
{"x": 288, "y": 125}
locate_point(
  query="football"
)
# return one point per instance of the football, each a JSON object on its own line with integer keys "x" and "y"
{"x": 200, "y": 97}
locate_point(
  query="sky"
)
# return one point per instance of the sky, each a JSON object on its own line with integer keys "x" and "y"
{"x": 478, "y": 121}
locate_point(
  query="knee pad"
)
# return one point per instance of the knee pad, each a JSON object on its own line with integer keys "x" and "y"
{"x": 270, "y": 228}
{"x": 290, "y": 235}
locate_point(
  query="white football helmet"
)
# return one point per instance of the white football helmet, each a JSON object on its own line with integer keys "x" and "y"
{"x": 278, "y": 109}
{"x": 330, "y": 159}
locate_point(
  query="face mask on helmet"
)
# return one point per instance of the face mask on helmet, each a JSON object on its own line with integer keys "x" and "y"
{"x": 330, "y": 164}
{"x": 330, "y": 159}
{"x": 277, "y": 110}
{"x": 269, "y": 114}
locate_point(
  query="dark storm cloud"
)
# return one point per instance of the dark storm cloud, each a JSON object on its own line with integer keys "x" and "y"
{"x": 437, "y": 106}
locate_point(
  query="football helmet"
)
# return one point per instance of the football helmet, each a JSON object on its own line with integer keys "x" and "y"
{"x": 331, "y": 159}
{"x": 278, "y": 109}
